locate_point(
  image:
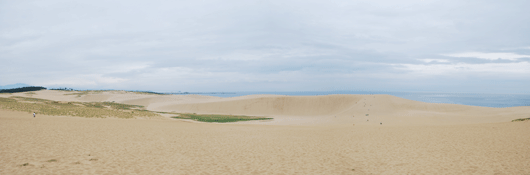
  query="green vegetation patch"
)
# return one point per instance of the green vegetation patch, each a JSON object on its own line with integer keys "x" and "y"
{"x": 123, "y": 106}
{"x": 7, "y": 100}
{"x": 80, "y": 93}
{"x": 80, "y": 109}
{"x": 26, "y": 99}
{"x": 218, "y": 118}
{"x": 105, "y": 109}
{"x": 520, "y": 120}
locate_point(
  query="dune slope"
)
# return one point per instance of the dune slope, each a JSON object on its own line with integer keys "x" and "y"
{"x": 303, "y": 110}
{"x": 358, "y": 109}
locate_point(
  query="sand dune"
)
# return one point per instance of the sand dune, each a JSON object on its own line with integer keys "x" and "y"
{"x": 75, "y": 145}
{"x": 355, "y": 109}
{"x": 309, "y": 135}
{"x": 308, "y": 110}
{"x": 273, "y": 105}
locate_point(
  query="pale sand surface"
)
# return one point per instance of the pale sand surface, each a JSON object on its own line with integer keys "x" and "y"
{"x": 307, "y": 110}
{"x": 309, "y": 135}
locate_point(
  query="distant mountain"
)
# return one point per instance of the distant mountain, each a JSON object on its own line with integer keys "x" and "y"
{"x": 11, "y": 86}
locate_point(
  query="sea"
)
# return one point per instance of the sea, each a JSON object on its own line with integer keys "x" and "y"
{"x": 472, "y": 99}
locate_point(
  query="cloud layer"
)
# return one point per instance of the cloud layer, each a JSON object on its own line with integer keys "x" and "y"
{"x": 489, "y": 56}
{"x": 456, "y": 46}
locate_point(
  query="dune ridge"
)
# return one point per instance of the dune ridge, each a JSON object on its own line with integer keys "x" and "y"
{"x": 356, "y": 109}
{"x": 325, "y": 109}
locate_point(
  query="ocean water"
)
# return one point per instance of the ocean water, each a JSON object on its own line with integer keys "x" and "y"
{"x": 485, "y": 100}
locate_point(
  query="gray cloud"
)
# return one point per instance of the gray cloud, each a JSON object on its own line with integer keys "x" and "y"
{"x": 266, "y": 45}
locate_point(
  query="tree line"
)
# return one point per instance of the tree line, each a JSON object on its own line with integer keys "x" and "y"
{"x": 22, "y": 89}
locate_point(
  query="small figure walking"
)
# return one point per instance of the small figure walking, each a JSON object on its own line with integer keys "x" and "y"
{"x": 33, "y": 114}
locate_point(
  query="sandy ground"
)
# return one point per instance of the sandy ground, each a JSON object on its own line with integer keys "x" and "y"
{"x": 309, "y": 135}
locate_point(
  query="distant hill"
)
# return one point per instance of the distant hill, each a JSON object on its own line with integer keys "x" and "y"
{"x": 22, "y": 89}
{"x": 12, "y": 86}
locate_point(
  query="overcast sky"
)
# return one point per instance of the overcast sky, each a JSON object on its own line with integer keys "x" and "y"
{"x": 286, "y": 45}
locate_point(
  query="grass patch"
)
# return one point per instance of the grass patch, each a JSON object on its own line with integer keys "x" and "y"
{"x": 80, "y": 109}
{"x": 123, "y": 106}
{"x": 520, "y": 120}
{"x": 52, "y": 160}
{"x": 218, "y": 118}
{"x": 81, "y": 93}
{"x": 93, "y": 160}
{"x": 26, "y": 164}
{"x": 27, "y": 99}
{"x": 105, "y": 109}
{"x": 7, "y": 100}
